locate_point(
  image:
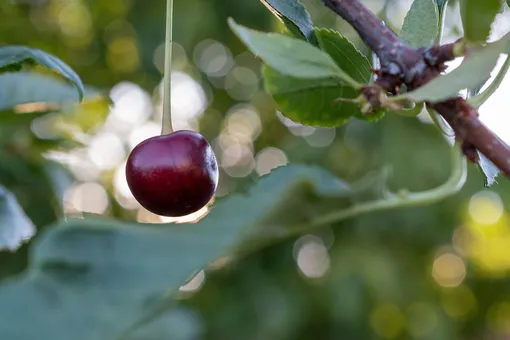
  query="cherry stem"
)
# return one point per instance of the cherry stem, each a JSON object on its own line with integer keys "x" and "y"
{"x": 166, "y": 126}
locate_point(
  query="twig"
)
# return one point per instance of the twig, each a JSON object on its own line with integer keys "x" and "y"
{"x": 402, "y": 64}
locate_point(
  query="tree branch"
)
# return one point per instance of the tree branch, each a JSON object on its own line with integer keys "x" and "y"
{"x": 463, "y": 118}
{"x": 402, "y": 64}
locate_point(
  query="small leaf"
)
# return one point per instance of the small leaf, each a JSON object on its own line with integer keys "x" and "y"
{"x": 290, "y": 56}
{"x": 15, "y": 226}
{"x": 118, "y": 273}
{"x": 477, "y": 18}
{"x": 10, "y": 55}
{"x": 28, "y": 87}
{"x": 421, "y": 24}
{"x": 345, "y": 54}
{"x": 489, "y": 170}
{"x": 474, "y": 70}
{"x": 294, "y": 15}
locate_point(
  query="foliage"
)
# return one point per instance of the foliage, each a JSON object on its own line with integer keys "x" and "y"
{"x": 104, "y": 277}
{"x": 477, "y": 18}
{"x": 421, "y": 25}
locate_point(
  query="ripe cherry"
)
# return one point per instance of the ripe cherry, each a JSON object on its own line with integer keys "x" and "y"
{"x": 173, "y": 175}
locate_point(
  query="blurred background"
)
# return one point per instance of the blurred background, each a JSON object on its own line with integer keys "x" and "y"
{"x": 435, "y": 272}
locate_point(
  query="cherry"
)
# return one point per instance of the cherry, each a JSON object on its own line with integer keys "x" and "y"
{"x": 174, "y": 174}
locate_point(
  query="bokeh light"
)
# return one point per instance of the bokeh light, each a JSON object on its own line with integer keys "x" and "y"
{"x": 312, "y": 256}
{"x": 458, "y": 302}
{"x": 498, "y": 317}
{"x": 486, "y": 207}
{"x": 213, "y": 58}
{"x": 422, "y": 319}
{"x": 131, "y": 104}
{"x": 88, "y": 197}
{"x": 387, "y": 321}
{"x": 449, "y": 270}
{"x": 106, "y": 151}
{"x": 268, "y": 159}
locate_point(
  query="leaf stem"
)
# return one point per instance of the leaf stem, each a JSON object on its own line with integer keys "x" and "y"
{"x": 390, "y": 201}
{"x": 454, "y": 183}
{"x": 440, "y": 123}
{"x": 166, "y": 125}
{"x": 412, "y": 111}
{"x": 481, "y": 98}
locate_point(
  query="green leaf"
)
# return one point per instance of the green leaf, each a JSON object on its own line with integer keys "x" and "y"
{"x": 345, "y": 54}
{"x": 59, "y": 179}
{"x": 312, "y": 102}
{"x": 355, "y": 65}
{"x": 472, "y": 72}
{"x": 116, "y": 274}
{"x": 421, "y": 24}
{"x": 477, "y": 18}
{"x": 290, "y": 56}
{"x": 176, "y": 323}
{"x": 295, "y": 17}
{"x": 28, "y": 87}
{"x": 15, "y": 226}
{"x": 10, "y": 55}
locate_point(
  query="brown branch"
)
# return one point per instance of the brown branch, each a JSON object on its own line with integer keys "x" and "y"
{"x": 401, "y": 64}
{"x": 463, "y": 118}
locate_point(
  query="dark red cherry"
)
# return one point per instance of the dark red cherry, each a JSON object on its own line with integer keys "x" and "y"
{"x": 173, "y": 175}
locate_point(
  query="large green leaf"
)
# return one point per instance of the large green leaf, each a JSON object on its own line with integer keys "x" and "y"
{"x": 96, "y": 278}
{"x": 290, "y": 56}
{"x": 474, "y": 71}
{"x": 313, "y": 102}
{"x": 294, "y": 15}
{"x": 477, "y": 17}
{"x": 10, "y": 55}
{"x": 15, "y": 226}
{"x": 28, "y": 87}
{"x": 421, "y": 24}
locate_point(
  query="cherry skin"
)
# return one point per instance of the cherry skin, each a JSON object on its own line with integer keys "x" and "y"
{"x": 173, "y": 175}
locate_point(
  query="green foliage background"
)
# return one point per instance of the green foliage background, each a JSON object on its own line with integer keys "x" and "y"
{"x": 387, "y": 273}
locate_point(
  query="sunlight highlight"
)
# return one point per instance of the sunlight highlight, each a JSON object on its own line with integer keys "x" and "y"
{"x": 449, "y": 270}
